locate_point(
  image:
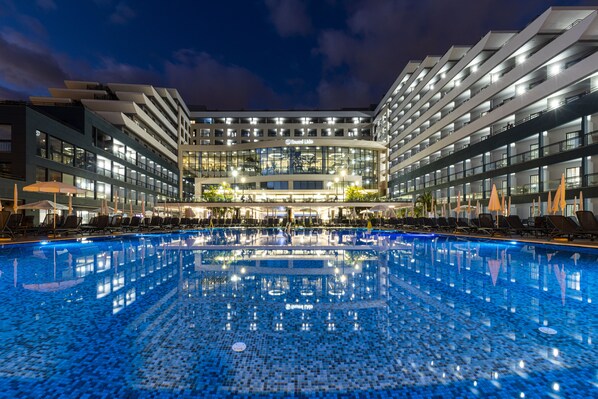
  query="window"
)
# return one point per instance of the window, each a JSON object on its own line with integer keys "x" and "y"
{"x": 534, "y": 183}
{"x": 308, "y": 185}
{"x": 55, "y": 147}
{"x": 5, "y": 138}
{"x": 41, "y": 140}
{"x": 572, "y": 177}
{"x": 54, "y": 175}
{"x": 533, "y": 151}
{"x": 40, "y": 174}
{"x": 572, "y": 140}
{"x": 275, "y": 185}
{"x": 102, "y": 140}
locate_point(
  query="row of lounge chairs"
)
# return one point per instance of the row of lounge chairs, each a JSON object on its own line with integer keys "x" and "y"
{"x": 550, "y": 226}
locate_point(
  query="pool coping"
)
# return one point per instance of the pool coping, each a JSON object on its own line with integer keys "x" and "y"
{"x": 521, "y": 240}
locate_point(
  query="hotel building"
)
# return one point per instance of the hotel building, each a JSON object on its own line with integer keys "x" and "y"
{"x": 517, "y": 109}
{"x": 118, "y": 142}
{"x": 281, "y": 156}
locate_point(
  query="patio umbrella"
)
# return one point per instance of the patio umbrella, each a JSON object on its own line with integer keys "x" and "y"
{"x": 477, "y": 207}
{"x": 380, "y": 208}
{"x": 557, "y": 197}
{"x": 574, "y": 203}
{"x": 509, "y": 207}
{"x": 130, "y": 208}
{"x": 53, "y": 187}
{"x": 458, "y": 204}
{"x": 15, "y": 207}
{"x": 469, "y": 207}
{"x": 533, "y": 207}
{"x": 502, "y": 202}
{"x": 116, "y": 202}
{"x": 562, "y": 200}
{"x": 44, "y": 205}
{"x": 494, "y": 203}
{"x": 143, "y": 207}
{"x": 580, "y": 200}
{"x": 539, "y": 205}
{"x": 70, "y": 207}
{"x": 549, "y": 203}
{"x": 1, "y": 206}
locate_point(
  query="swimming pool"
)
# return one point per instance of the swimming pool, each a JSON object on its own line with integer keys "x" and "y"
{"x": 320, "y": 314}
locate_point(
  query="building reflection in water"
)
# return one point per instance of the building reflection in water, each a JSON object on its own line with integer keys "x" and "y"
{"x": 419, "y": 308}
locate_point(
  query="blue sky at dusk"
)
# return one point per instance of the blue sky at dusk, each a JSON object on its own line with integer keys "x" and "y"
{"x": 250, "y": 54}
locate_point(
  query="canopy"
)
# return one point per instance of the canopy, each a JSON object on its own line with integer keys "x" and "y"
{"x": 45, "y": 204}
{"x": 55, "y": 187}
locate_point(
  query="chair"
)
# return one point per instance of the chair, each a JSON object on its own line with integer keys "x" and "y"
{"x": 516, "y": 226}
{"x": 588, "y": 223}
{"x": 100, "y": 224}
{"x": 72, "y": 224}
{"x": 134, "y": 224}
{"x": 9, "y": 223}
{"x": 561, "y": 226}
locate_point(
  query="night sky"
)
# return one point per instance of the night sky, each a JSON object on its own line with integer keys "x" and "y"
{"x": 244, "y": 54}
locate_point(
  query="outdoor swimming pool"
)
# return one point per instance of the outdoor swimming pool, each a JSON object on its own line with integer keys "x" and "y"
{"x": 321, "y": 313}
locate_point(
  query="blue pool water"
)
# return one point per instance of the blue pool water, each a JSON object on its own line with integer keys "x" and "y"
{"x": 321, "y": 314}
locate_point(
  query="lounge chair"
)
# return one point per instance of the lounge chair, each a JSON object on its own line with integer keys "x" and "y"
{"x": 562, "y": 226}
{"x": 98, "y": 224}
{"x": 9, "y": 223}
{"x": 588, "y": 223}
{"x": 516, "y": 226}
{"x": 72, "y": 224}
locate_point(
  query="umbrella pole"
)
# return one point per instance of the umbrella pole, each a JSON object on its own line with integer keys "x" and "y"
{"x": 54, "y": 213}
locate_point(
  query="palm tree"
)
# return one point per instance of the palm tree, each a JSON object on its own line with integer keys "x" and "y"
{"x": 425, "y": 201}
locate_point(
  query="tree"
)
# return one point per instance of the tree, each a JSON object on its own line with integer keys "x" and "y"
{"x": 354, "y": 193}
{"x": 424, "y": 201}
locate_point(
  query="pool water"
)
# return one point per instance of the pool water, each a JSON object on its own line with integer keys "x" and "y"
{"x": 313, "y": 313}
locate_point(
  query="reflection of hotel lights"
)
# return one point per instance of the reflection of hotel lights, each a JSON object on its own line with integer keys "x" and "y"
{"x": 276, "y": 292}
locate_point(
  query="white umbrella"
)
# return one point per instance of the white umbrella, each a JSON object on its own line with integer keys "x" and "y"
{"x": 116, "y": 202}
{"x": 143, "y": 207}
{"x": 380, "y": 208}
{"x": 70, "y": 204}
{"x": 130, "y": 208}
{"x": 44, "y": 205}
{"x": 53, "y": 187}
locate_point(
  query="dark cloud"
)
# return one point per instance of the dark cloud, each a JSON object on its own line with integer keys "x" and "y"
{"x": 28, "y": 66}
{"x": 289, "y": 17}
{"x": 380, "y": 37}
{"x": 10, "y": 94}
{"x": 46, "y": 4}
{"x": 122, "y": 14}
{"x": 203, "y": 80}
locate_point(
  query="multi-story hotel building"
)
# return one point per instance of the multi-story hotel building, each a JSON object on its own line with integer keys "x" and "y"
{"x": 517, "y": 109}
{"x": 117, "y": 142}
{"x": 281, "y": 155}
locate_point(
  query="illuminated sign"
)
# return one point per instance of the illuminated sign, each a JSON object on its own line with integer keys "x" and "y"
{"x": 298, "y": 142}
{"x": 298, "y": 306}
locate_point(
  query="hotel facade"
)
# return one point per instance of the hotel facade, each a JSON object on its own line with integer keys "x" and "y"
{"x": 517, "y": 109}
{"x": 281, "y": 156}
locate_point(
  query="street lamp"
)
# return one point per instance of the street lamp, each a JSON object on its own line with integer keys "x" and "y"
{"x": 343, "y": 174}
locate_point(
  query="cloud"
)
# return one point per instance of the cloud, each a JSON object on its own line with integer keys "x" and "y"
{"x": 289, "y": 17}
{"x": 46, "y": 4}
{"x": 203, "y": 80}
{"x": 10, "y": 94}
{"x": 122, "y": 14}
{"x": 380, "y": 37}
{"x": 28, "y": 66}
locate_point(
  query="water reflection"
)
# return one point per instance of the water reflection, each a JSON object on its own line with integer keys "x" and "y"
{"x": 416, "y": 314}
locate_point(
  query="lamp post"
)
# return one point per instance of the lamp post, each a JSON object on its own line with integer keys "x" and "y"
{"x": 235, "y": 174}
{"x": 343, "y": 174}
